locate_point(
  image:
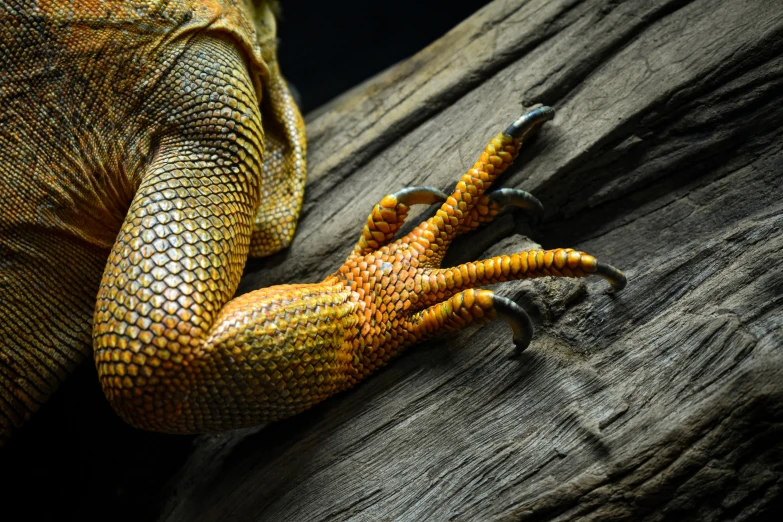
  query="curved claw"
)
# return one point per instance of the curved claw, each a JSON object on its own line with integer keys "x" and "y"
{"x": 518, "y": 198}
{"x": 515, "y": 316}
{"x": 529, "y": 121}
{"x": 615, "y": 277}
{"x": 420, "y": 196}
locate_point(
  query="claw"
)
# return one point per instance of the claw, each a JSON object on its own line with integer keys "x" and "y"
{"x": 528, "y": 121}
{"x": 420, "y": 196}
{"x": 518, "y": 198}
{"x": 616, "y": 278}
{"x": 515, "y": 316}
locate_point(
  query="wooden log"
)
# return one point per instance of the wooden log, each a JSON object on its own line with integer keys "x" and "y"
{"x": 662, "y": 402}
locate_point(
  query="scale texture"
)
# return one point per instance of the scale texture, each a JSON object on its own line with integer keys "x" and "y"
{"x": 159, "y": 136}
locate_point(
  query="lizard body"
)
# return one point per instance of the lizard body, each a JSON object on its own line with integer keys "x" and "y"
{"x": 154, "y": 146}
{"x": 101, "y": 104}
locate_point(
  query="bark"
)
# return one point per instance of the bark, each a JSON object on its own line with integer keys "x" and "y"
{"x": 663, "y": 402}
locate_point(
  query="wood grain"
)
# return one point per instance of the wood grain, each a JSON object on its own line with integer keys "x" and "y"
{"x": 663, "y": 402}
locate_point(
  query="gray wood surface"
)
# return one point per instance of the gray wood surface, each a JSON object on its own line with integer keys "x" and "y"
{"x": 663, "y": 402}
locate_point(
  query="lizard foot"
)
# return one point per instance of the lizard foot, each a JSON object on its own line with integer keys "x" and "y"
{"x": 405, "y": 295}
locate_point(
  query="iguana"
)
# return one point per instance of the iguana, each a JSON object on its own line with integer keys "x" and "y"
{"x": 146, "y": 149}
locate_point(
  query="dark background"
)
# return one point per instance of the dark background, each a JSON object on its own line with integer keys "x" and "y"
{"x": 328, "y": 47}
{"x": 76, "y": 460}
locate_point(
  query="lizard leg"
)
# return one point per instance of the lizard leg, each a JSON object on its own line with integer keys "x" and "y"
{"x": 174, "y": 352}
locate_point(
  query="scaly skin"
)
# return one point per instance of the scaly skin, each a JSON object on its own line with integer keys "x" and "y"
{"x": 164, "y": 176}
{"x": 110, "y": 104}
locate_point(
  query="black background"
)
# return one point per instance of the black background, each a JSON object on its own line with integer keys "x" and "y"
{"x": 76, "y": 460}
{"x": 328, "y": 47}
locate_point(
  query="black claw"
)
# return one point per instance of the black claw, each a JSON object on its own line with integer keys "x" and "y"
{"x": 519, "y": 198}
{"x": 420, "y": 196}
{"x": 516, "y": 316}
{"x": 529, "y": 121}
{"x": 616, "y": 278}
{"x": 519, "y": 347}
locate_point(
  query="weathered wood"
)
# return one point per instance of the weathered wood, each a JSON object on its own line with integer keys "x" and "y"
{"x": 662, "y": 402}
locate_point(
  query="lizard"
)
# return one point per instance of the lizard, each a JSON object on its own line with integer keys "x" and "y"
{"x": 148, "y": 148}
